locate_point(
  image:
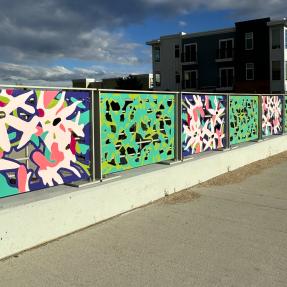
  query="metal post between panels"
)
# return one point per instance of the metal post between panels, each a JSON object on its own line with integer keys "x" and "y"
{"x": 178, "y": 126}
{"x": 92, "y": 149}
{"x": 283, "y": 114}
{"x": 227, "y": 124}
{"x": 260, "y": 136}
{"x": 97, "y": 135}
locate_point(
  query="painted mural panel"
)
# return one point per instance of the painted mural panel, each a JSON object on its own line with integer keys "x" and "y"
{"x": 285, "y": 114}
{"x": 243, "y": 118}
{"x": 45, "y": 139}
{"x": 272, "y": 120}
{"x": 136, "y": 130}
{"x": 203, "y": 123}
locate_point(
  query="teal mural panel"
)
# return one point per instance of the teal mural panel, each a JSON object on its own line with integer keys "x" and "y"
{"x": 243, "y": 118}
{"x": 136, "y": 130}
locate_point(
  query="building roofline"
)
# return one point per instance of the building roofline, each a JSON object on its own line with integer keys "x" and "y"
{"x": 277, "y": 22}
{"x": 183, "y": 35}
{"x": 153, "y": 42}
{"x": 171, "y": 36}
{"x": 211, "y": 32}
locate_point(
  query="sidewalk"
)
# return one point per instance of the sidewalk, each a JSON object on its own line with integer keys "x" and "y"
{"x": 231, "y": 231}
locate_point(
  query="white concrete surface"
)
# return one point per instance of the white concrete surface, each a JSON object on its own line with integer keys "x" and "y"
{"x": 32, "y": 219}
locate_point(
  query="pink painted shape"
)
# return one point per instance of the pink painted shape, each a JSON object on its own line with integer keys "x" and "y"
{"x": 9, "y": 92}
{"x": 39, "y": 131}
{"x": 201, "y": 111}
{"x": 43, "y": 162}
{"x": 61, "y": 108}
{"x": 2, "y": 105}
{"x": 62, "y": 128}
{"x": 207, "y": 103}
{"x": 22, "y": 178}
{"x": 48, "y": 97}
{"x": 219, "y": 135}
{"x": 195, "y": 116}
{"x": 198, "y": 149}
{"x": 1, "y": 154}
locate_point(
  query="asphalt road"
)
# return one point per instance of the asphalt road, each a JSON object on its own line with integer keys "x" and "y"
{"x": 218, "y": 234}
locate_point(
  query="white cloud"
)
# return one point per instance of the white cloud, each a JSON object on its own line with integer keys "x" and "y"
{"x": 35, "y": 34}
{"x": 60, "y": 75}
{"x": 182, "y": 23}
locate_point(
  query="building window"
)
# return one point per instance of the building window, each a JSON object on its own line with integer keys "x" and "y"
{"x": 177, "y": 77}
{"x": 249, "y": 41}
{"x": 156, "y": 53}
{"x": 190, "y": 79}
{"x": 157, "y": 80}
{"x": 190, "y": 53}
{"x": 276, "y": 71}
{"x": 176, "y": 51}
{"x": 226, "y": 77}
{"x": 285, "y": 38}
{"x": 249, "y": 71}
{"x": 225, "y": 49}
{"x": 275, "y": 38}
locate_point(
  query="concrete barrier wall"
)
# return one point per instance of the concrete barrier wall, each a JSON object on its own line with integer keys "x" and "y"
{"x": 39, "y": 217}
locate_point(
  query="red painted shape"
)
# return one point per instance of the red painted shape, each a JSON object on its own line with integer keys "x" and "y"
{"x": 73, "y": 144}
{"x": 22, "y": 178}
{"x": 39, "y": 131}
{"x": 41, "y": 113}
{"x": 49, "y": 96}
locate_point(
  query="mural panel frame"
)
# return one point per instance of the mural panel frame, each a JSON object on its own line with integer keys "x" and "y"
{"x": 46, "y": 136}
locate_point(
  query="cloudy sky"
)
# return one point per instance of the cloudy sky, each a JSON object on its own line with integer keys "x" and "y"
{"x": 54, "y": 41}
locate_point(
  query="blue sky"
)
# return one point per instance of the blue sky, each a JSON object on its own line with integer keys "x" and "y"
{"x": 54, "y": 41}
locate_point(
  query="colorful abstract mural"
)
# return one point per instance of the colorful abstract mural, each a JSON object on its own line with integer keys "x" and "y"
{"x": 272, "y": 120}
{"x": 243, "y": 119}
{"x": 203, "y": 123}
{"x": 136, "y": 129}
{"x": 44, "y": 139}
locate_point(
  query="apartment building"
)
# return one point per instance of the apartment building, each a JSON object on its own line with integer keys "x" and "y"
{"x": 278, "y": 55}
{"x": 249, "y": 57}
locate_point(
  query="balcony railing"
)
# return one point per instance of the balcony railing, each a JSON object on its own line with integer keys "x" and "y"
{"x": 188, "y": 58}
{"x": 225, "y": 84}
{"x": 224, "y": 54}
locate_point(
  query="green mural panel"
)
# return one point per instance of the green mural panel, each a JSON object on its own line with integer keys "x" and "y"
{"x": 243, "y": 119}
{"x": 136, "y": 130}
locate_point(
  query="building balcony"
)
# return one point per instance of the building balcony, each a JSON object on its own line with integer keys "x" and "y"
{"x": 224, "y": 55}
{"x": 187, "y": 59}
{"x": 225, "y": 85}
